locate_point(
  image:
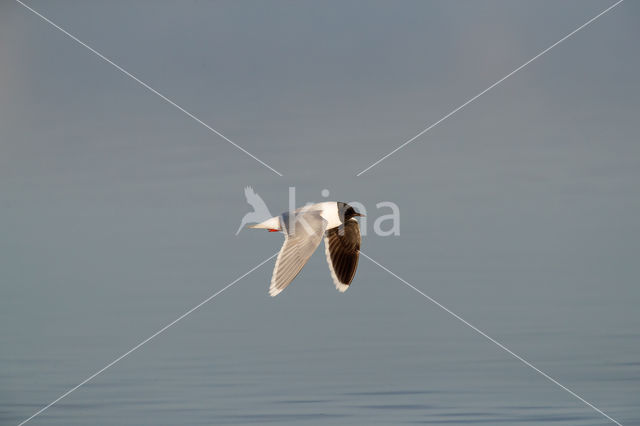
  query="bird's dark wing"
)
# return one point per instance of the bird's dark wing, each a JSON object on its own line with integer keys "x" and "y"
{"x": 342, "y": 247}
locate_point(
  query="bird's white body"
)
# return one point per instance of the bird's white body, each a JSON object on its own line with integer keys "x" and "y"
{"x": 328, "y": 210}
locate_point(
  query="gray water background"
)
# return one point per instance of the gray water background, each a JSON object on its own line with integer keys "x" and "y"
{"x": 520, "y": 213}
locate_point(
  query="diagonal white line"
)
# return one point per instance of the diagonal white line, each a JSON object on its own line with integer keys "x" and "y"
{"x": 491, "y": 339}
{"x": 145, "y": 85}
{"x": 190, "y": 311}
{"x": 492, "y": 86}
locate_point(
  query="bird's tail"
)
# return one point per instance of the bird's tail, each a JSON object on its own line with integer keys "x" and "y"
{"x": 272, "y": 223}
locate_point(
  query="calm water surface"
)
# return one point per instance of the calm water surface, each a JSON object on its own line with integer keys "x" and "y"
{"x": 519, "y": 213}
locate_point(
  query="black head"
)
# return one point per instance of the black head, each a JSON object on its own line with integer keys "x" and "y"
{"x": 346, "y": 212}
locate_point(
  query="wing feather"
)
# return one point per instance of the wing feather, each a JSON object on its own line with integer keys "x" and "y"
{"x": 342, "y": 248}
{"x": 299, "y": 245}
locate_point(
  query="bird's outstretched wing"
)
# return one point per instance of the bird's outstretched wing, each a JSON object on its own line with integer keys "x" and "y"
{"x": 300, "y": 241}
{"x": 342, "y": 248}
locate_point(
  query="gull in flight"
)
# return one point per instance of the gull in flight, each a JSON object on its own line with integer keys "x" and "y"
{"x": 303, "y": 230}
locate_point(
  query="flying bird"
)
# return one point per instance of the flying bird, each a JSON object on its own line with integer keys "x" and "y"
{"x": 303, "y": 230}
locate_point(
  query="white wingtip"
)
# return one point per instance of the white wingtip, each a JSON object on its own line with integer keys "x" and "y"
{"x": 273, "y": 292}
{"x": 341, "y": 287}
